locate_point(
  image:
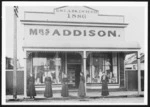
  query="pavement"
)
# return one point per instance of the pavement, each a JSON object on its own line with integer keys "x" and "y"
{"x": 74, "y": 95}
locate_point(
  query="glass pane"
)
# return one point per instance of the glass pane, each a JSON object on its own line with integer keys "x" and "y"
{"x": 114, "y": 58}
{"x": 47, "y": 63}
{"x": 39, "y": 69}
{"x": 114, "y": 75}
{"x": 88, "y": 75}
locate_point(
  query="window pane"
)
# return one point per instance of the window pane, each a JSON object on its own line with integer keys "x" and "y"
{"x": 44, "y": 64}
{"x": 39, "y": 69}
{"x": 114, "y": 58}
{"x": 114, "y": 76}
{"x": 104, "y": 63}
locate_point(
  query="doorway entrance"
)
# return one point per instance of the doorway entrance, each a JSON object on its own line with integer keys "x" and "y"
{"x": 73, "y": 69}
{"x": 74, "y": 75}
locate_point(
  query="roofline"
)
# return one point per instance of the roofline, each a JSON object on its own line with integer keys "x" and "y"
{"x": 60, "y": 7}
{"x": 90, "y": 8}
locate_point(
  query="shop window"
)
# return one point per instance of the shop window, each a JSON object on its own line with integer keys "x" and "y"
{"x": 102, "y": 62}
{"x": 44, "y": 64}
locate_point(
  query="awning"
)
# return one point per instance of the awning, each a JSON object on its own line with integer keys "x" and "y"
{"x": 84, "y": 45}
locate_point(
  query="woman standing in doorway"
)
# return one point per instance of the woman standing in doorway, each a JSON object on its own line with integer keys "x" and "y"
{"x": 48, "y": 86}
{"x": 64, "y": 91}
{"x": 81, "y": 90}
{"x": 104, "y": 80}
{"x": 31, "y": 88}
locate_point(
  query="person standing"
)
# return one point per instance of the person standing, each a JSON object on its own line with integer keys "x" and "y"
{"x": 31, "y": 87}
{"x": 64, "y": 91}
{"x": 48, "y": 86}
{"x": 81, "y": 90}
{"x": 104, "y": 80}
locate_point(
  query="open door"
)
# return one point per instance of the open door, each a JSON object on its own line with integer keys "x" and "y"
{"x": 74, "y": 75}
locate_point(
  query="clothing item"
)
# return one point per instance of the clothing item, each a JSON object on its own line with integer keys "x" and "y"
{"x": 81, "y": 90}
{"x": 31, "y": 88}
{"x": 105, "y": 91}
{"x": 64, "y": 91}
{"x": 48, "y": 87}
{"x": 96, "y": 61}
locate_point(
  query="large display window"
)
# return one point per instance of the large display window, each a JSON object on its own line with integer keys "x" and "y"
{"x": 50, "y": 63}
{"x": 99, "y": 63}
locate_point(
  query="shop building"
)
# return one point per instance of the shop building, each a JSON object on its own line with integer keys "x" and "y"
{"x": 76, "y": 39}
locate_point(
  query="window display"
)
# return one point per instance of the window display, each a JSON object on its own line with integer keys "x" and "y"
{"x": 52, "y": 65}
{"x": 102, "y": 62}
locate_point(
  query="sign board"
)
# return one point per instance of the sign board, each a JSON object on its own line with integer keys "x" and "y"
{"x": 47, "y": 35}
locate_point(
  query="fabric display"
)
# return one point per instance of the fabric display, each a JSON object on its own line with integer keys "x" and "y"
{"x": 96, "y": 61}
{"x": 52, "y": 65}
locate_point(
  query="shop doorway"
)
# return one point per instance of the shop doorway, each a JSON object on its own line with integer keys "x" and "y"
{"x": 74, "y": 63}
{"x": 74, "y": 75}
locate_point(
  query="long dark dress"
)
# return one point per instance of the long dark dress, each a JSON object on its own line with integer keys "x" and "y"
{"x": 31, "y": 88}
{"x": 81, "y": 90}
{"x": 48, "y": 88}
{"x": 105, "y": 91}
{"x": 64, "y": 91}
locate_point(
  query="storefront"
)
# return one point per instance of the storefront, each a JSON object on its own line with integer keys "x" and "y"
{"x": 72, "y": 40}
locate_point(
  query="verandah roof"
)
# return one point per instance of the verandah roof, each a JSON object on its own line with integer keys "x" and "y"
{"x": 84, "y": 45}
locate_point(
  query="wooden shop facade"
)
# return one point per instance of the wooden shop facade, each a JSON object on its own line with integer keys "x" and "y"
{"x": 72, "y": 40}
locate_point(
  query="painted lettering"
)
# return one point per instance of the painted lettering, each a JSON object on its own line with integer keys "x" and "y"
{"x": 111, "y": 33}
{"x": 92, "y": 33}
{"x": 47, "y": 31}
{"x": 56, "y": 32}
{"x": 33, "y": 32}
{"x": 66, "y": 32}
{"x": 77, "y": 32}
{"x": 101, "y": 33}
{"x": 41, "y": 31}
{"x": 74, "y": 32}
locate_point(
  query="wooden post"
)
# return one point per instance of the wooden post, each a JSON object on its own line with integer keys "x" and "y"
{"x": 139, "y": 72}
{"x": 84, "y": 67}
{"x": 15, "y": 54}
{"x": 57, "y": 69}
{"x": 25, "y": 75}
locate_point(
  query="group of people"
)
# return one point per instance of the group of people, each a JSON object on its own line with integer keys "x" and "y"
{"x": 64, "y": 92}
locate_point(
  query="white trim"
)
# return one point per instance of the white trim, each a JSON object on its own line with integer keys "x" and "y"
{"x": 25, "y": 76}
{"x": 73, "y": 50}
{"x": 99, "y": 87}
{"x": 118, "y": 61}
{"x": 124, "y": 69}
{"x": 66, "y": 63}
{"x": 139, "y": 72}
{"x": 27, "y": 22}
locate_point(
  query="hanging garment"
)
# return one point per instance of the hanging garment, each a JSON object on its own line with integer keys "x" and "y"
{"x": 52, "y": 65}
{"x": 95, "y": 61}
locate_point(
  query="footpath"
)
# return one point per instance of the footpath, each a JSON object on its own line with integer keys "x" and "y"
{"x": 74, "y": 95}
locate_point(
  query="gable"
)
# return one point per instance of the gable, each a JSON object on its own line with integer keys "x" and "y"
{"x": 82, "y": 9}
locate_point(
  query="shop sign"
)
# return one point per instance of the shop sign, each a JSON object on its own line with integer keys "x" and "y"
{"x": 74, "y": 32}
{"x": 50, "y": 35}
